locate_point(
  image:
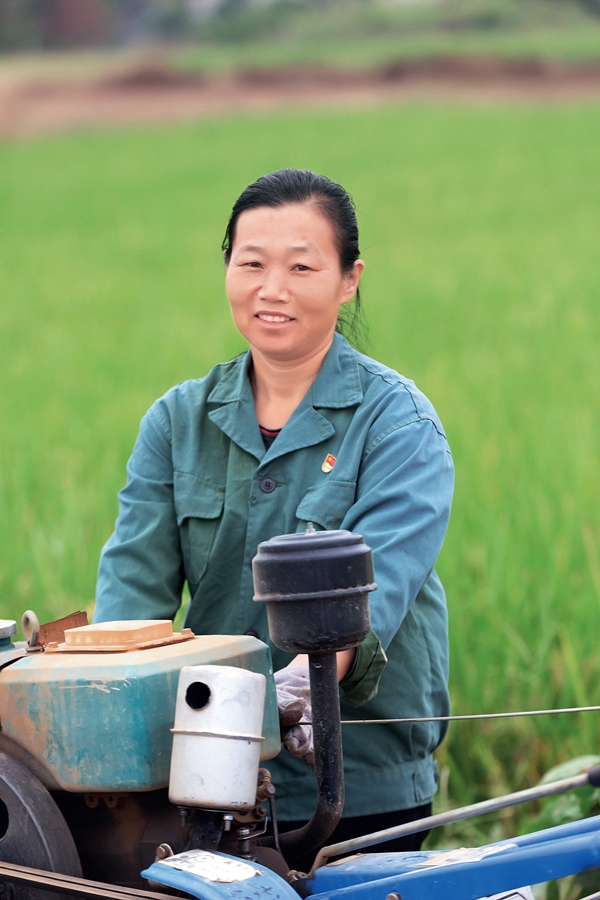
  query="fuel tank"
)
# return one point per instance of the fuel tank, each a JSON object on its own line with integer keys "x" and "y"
{"x": 97, "y": 716}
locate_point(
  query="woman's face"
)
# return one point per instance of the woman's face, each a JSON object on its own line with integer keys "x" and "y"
{"x": 284, "y": 281}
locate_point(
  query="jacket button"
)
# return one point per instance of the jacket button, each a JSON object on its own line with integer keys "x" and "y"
{"x": 267, "y": 484}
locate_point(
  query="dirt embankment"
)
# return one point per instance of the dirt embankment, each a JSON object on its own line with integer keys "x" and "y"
{"x": 151, "y": 92}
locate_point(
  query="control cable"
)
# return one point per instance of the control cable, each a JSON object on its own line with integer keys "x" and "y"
{"x": 499, "y": 715}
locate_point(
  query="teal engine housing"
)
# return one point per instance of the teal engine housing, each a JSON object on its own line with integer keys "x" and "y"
{"x": 92, "y": 721}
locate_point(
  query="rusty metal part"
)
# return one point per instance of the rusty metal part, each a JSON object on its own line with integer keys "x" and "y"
{"x": 251, "y": 816}
{"x": 31, "y": 630}
{"x": 271, "y": 859}
{"x": 244, "y": 847}
{"x": 266, "y": 788}
{"x": 264, "y": 793}
{"x": 55, "y": 631}
{"x": 36, "y": 882}
{"x": 243, "y": 842}
{"x": 296, "y": 879}
{"x": 122, "y": 839}
{"x": 163, "y": 851}
{"x": 111, "y": 800}
{"x": 262, "y": 856}
{"x": 33, "y": 831}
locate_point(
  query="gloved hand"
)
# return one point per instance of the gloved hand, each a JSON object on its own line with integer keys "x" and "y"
{"x": 293, "y": 701}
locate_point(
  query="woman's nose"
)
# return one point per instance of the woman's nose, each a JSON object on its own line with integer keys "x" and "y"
{"x": 274, "y": 286}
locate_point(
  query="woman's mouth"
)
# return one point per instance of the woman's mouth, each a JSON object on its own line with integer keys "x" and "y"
{"x": 268, "y": 317}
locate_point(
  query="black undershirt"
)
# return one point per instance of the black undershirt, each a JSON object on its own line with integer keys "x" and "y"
{"x": 268, "y": 435}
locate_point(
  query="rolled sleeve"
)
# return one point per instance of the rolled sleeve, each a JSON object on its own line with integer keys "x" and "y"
{"x": 361, "y": 682}
{"x": 141, "y": 573}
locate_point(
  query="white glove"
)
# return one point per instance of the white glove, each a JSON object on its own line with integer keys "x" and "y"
{"x": 293, "y": 701}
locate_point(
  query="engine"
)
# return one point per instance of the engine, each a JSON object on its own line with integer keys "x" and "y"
{"x": 123, "y": 743}
{"x": 91, "y": 720}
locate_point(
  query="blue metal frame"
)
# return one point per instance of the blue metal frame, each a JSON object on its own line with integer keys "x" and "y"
{"x": 541, "y": 856}
{"x": 266, "y": 885}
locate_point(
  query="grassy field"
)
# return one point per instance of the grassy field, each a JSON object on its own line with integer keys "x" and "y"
{"x": 571, "y": 42}
{"x": 358, "y": 33}
{"x": 558, "y": 32}
{"x": 355, "y": 33}
{"x": 480, "y": 232}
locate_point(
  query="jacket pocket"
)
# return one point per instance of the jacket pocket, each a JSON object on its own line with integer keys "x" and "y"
{"x": 198, "y": 506}
{"x": 327, "y": 504}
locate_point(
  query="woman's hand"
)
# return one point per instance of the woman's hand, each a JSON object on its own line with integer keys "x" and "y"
{"x": 345, "y": 659}
{"x": 293, "y": 701}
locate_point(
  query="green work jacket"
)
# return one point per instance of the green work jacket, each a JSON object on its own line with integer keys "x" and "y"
{"x": 202, "y": 493}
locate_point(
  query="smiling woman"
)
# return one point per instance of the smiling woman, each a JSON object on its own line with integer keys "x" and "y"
{"x": 285, "y": 286}
{"x": 300, "y": 429}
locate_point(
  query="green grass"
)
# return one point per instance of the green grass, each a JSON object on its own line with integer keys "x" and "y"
{"x": 345, "y": 33}
{"x": 355, "y": 33}
{"x": 574, "y": 43}
{"x": 480, "y": 231}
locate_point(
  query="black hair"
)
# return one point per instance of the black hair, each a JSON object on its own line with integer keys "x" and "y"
{"x": 303, "y": 186}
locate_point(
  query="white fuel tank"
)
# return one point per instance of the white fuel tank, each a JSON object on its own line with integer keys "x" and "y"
{"x": 217, "y": 737}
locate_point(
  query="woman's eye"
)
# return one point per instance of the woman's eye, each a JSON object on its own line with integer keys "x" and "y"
{"x": 254, "y": 265}
{"x": 301, "y": 268}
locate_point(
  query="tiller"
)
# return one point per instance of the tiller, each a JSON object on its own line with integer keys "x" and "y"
{"x": 132, "y": 760}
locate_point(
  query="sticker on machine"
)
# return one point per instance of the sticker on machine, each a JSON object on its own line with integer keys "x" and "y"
{"x": 211, "y": 866}
{"x": 524, "y": 893}
{"x": 464, "y": 854}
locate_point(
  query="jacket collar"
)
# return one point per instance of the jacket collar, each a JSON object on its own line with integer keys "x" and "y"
{"x": 338, "y": 382}
{"x": 337, "y": 385}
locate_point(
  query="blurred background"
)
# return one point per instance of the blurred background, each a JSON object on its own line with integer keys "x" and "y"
{"x": 468, "y": 133}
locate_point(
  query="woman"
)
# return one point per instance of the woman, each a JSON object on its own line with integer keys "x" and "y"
{"x": 300, "y": 428}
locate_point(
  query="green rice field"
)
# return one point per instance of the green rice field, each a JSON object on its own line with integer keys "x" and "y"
{"x": 481, "y": 235}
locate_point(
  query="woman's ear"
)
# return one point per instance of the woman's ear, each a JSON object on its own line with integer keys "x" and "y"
{"x": 352, "y": 279}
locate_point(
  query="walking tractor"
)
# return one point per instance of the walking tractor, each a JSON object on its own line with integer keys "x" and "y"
{"x": 132, "y": 760}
